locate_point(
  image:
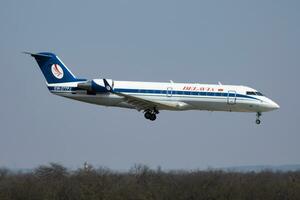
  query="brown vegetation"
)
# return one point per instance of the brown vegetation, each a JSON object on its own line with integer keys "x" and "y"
{"x": 56, "y": 182}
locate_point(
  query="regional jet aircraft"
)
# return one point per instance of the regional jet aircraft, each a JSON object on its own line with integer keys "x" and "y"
{"x": 151, "y": 97}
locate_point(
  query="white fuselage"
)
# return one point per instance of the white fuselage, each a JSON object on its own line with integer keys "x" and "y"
{"x": 150, "y": 97}
{"x": 180, "y": 96}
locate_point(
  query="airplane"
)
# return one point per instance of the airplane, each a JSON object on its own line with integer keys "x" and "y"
{"x": 151, "y": 97}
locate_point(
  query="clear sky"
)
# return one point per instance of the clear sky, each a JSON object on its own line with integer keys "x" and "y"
{"x": 253, "y": 43}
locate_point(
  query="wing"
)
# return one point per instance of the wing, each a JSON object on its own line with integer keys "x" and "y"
{"x": 143, "y": 103}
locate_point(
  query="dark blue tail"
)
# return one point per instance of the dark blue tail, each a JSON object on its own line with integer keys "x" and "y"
{"x": 53, "y": 68}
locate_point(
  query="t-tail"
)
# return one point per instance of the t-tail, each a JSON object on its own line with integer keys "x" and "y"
{"x": 53, "y": 68}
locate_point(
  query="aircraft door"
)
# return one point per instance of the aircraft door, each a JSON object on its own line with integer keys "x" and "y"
{"x": 169, "y": 91}
{"x": 231, "y": 97}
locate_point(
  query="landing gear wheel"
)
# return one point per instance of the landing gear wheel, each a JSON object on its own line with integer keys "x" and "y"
{"x": 147, "y": 115}
{"x": 153, "y": 117}
{"x": 257, "y": 121}
{"x": 151, "y": 114}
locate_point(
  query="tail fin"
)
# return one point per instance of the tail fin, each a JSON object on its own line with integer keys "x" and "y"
{"x": 53, "y": 68}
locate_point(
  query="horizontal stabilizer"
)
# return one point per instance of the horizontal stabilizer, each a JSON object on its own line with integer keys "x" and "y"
{"x": 36, "y": 54}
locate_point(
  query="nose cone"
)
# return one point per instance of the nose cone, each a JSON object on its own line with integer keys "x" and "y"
{"x": 268, "y": 105}
{"x": 275, "y": 105}
{"x": 272, "y": 105}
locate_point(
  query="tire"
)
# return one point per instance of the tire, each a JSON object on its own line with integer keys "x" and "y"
{"x": 153, "y": 117}
{"x": 147, "y": 115}
{"x": 257, "y": 121}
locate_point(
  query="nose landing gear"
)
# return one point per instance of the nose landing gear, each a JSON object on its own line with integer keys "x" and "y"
{"x": 151, "y": 114}
{"x": 257, "y": 121}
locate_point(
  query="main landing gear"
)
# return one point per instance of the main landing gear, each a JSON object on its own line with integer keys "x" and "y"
{"x": 151, "y": 114}
{"x": 257, "y": 121}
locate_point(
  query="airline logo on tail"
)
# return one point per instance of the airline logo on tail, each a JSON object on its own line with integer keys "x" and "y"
{"x": 57, "y": 71}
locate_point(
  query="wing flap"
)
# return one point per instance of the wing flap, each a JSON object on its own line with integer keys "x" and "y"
{"x": 145, "y": 103}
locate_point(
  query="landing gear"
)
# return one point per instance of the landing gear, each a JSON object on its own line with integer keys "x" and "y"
{"x": 147, "y": 115}
{"x": 151, "y": 114}
{"x": 257, "y": 121}
{"x": 153, "y": 117}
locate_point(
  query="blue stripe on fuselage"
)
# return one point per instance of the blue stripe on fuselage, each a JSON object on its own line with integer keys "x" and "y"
{"x": 180, "y": 92}
{"x": 143, "y": 91}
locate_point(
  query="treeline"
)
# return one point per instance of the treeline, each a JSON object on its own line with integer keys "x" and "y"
{"x": 54, "y": 181}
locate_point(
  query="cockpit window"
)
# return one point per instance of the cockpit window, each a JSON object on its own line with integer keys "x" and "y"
{"x": 250, "y": 93}
{"x": 254, "y": 93}
{"x": 259, "y": 94}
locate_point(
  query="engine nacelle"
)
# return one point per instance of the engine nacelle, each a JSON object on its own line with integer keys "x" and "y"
{"x": 97, "y": 85}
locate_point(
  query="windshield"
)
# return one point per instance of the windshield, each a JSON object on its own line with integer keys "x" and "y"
{"x": 254, "y": 93}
